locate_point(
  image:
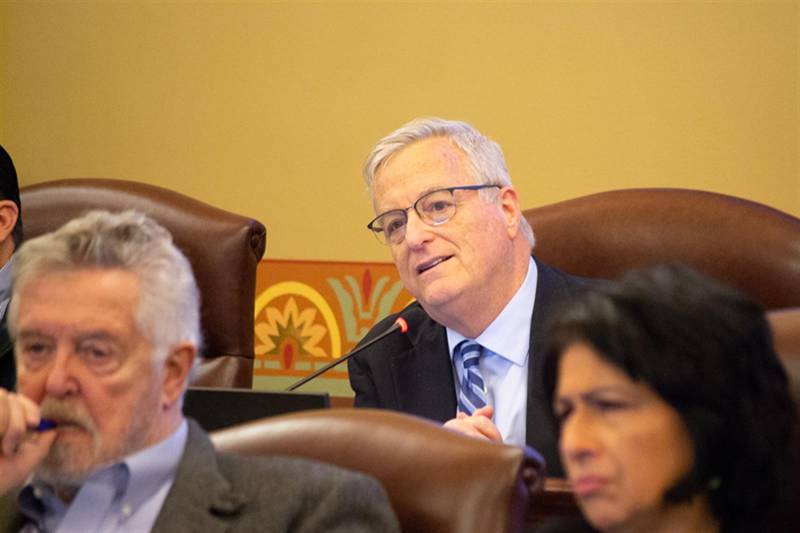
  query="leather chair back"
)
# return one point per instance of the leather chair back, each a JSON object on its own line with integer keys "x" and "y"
{"x": 748, "y": 245}
{"x": 438, "y": 481}
{"x": 223, "y": 248}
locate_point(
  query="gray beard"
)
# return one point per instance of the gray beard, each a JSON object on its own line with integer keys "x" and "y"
{"x": 57, "y": 470}
{"x": 67, "y": 466}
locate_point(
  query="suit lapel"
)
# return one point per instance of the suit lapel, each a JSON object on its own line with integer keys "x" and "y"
{"x": 423, "y": 376}
{"x": 552, "y": 288}
{"x": 201, "y": 497}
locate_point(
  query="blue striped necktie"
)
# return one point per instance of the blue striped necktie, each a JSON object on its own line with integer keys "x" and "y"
{"x": 472, "y": 389}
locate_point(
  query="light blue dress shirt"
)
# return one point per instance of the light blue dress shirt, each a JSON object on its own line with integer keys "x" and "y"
{"x": 504, "y": 364}
{"x": 122, "y": 498}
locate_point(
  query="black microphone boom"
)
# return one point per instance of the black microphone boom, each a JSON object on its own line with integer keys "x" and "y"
{"x": 399, "y": 324}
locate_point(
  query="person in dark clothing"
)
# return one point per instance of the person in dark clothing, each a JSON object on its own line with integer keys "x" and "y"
{"x": 10, "y": 239}
{"x": 674, "y": 411}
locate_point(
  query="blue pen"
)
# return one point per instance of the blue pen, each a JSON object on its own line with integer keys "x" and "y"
{"x": 45, "y": 424}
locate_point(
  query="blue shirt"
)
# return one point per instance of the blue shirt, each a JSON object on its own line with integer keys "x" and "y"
{"x": 504, "y": 364}
{"x": 122, "y": 498}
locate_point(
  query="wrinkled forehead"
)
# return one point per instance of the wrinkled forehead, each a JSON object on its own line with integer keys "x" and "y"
{"x": 418, "y": 168}
{"x": 104, "y": 288}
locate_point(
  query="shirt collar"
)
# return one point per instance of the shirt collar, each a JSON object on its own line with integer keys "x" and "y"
{"x": 509, "y": 333}
{"x": 153, "y": 466}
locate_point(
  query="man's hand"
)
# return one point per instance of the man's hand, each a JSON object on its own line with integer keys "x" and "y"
{"x": 20, "y": 449}
{"x": 478, "y": 424}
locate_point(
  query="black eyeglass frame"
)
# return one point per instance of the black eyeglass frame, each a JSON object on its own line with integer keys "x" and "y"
{"x": 377, "y": 230}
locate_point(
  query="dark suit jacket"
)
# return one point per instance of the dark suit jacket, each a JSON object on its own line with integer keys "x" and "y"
{"x": 412, "y": 373}
{"x": 216, "y": 492}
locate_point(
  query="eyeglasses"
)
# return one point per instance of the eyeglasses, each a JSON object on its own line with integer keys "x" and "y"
{"x": 434, "y": 208}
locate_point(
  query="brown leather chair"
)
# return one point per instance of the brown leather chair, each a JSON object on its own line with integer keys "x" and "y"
{"x": 224, "y": 249}
{"x": 748, "y": 245}
{"x": 438, "y": 481}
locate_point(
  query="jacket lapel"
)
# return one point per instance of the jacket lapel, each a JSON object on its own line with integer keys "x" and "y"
{"x": 201, "y": 497}
{"x": 553, "y": 288}
{"x": 422, "y": 374}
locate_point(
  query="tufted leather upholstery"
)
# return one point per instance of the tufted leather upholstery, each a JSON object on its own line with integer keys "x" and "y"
{"x": 224, "y": 249}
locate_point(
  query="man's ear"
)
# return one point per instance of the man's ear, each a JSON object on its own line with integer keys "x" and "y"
{"x": 9, "y": 213}
{"x": 508, "y": 201}
{"x": 177, "y": 367}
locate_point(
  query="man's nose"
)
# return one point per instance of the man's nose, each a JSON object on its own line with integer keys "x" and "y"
{"x": 60, "y": 379}
{"x": 417, "y": 231}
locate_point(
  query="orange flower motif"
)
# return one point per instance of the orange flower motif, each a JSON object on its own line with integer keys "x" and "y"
{"x": 290, "y": 334}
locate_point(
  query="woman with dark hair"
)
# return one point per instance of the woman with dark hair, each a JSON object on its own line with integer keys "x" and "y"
{"x": 674, "y": 410}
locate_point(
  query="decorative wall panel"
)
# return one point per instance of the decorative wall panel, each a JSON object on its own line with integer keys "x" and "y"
{"x": 309, "y": 312}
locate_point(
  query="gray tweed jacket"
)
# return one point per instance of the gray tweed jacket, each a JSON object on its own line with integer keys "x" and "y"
{"x": 216, "y": 492}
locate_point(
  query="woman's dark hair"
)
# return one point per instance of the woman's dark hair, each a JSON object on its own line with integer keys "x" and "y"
{"x": 707, "y": 350}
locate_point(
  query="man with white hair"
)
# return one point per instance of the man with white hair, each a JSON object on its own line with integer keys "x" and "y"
{"x": 105, "y": 317}
{"x": 447, "y": 210}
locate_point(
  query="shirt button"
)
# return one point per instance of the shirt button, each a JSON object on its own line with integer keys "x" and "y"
{"x": 126, "y": 510}
{"x": 37, "y": 492}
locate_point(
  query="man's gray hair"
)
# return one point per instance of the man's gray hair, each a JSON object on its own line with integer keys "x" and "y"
{"x": 169, "y": 301}
{"x": 486, "y": 160}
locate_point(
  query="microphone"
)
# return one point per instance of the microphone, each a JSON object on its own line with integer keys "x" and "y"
{"x": 399, "y": 324}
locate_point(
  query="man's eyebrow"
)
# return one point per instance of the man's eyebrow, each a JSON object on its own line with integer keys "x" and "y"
{"x": 420, "y": 195}
{"x": 430, "y": 189}
{"x": 101, "y": 335}
{"x": 88, "y": 335}
{"x": 30, "y": 333}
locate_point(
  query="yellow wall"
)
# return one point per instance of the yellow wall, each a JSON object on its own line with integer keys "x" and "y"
{"x": 268, "y": 108}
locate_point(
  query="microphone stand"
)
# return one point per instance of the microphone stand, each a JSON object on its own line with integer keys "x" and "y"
{"x": 400, "y": 324}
